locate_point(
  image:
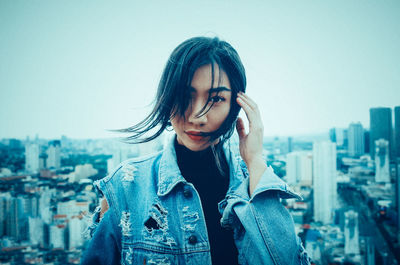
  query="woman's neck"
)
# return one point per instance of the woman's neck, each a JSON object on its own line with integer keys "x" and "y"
{"x": 183, "y": 150}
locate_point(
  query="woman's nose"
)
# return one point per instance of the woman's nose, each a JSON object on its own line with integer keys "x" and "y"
{"x": 194, "y": 110}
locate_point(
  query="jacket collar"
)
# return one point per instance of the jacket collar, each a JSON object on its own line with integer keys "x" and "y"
{"x": 169, "y": 174}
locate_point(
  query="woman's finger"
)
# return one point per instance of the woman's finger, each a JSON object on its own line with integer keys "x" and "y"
{"x": 247, "y": 109}
{"x": 249, "y": 101}
{"x": 253, "y": 114}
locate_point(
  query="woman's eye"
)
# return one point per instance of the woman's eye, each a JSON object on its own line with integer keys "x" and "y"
{"x": 217, "y": 99}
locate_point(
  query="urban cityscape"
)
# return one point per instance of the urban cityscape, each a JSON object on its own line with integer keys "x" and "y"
{"x": 349, "y": 179}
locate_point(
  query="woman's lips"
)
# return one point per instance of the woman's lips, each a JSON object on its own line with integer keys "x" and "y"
{"x": 195, "y": 136}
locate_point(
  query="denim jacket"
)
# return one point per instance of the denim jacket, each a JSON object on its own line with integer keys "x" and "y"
{"x": 155, "y": 216}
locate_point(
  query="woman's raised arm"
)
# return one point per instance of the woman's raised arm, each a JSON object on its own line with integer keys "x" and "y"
{"x": 250, "y": 144}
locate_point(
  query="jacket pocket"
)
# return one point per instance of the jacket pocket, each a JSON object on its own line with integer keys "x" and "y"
{"x": 132, "y": 255}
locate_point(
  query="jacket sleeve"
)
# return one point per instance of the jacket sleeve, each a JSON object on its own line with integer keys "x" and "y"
{"x": 105, "y": 245}
{"x": 264, "y": 228}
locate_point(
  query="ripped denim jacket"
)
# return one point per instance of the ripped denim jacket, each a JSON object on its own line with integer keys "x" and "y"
{"x": 152, "y": 188}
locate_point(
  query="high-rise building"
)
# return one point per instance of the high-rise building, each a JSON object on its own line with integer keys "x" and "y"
{"x": 53, "y": 153}
{"x": 42, "y": 161}
{"x": 351, "y": 246}
{"x": 356, "y": 139}
{"x": 57, "y": 236}
{"x": 299, "y": 168}
{"x": 45, "y": 211}
{"x": 5, "y": 199}
{"x": 36, "y": 231}
{"x": 15, "y": 144}
{"x": 332, "y": 135}
{"x": 339, "y": 136}
{"x": 292, "y": 168}
{"x": 65, "y": 142}
{"x": 72, "y": 208}
{"x": 380, "y": 128}
{"x": 30, "y": 205}
{"x": 76, "y": 228}
{"x": 290, "y": 144}
{"x": 16, "y": 220}
{"x": 32, "y": 157}
{"x": 397, "y": 194}
{"x": 366, "y": 142}
{"x": 345, "y": 139}
{"x": 382, "y": 173}
{"x": 276, "y": 145}
{"x": 11, "y": 210}
{"x": 397, "y": 131}
{"x": 324, "y": 181}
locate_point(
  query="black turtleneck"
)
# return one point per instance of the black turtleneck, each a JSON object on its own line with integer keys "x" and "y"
{"x": 200, "y": 169}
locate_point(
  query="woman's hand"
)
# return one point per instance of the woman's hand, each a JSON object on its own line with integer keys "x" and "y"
{"x": 250, "y": 144}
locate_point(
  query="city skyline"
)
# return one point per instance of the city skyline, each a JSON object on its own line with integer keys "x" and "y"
{"x": 48, "y": 197}
{"x": 78, "y": 69}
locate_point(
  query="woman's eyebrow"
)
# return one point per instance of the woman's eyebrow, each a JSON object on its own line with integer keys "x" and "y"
{"x": 213, "y": 89}
{"x": 219, "y": 89}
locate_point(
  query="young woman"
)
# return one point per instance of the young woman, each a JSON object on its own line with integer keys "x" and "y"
{"x": 200, "y": 200}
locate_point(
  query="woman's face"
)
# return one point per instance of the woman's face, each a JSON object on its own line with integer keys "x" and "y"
{"x": 187, "y": 129}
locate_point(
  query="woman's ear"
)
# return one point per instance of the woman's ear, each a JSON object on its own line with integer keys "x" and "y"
{"x": 169, "y": 127}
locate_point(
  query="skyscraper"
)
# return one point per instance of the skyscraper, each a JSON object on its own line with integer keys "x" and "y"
{"x": 340, "y": 136}
{"x": 397, "y": 196}
{"x": 299, "y": 168}
{"x": 324, "y": 180}
{"x": 53, "y": 153}
{"x": 36, "y": 231}
{"x": 32, "y": 157}
{"x": 57, "y": 236}
{"x": 380, "y": 128}
{"x": 332, "y": 135}
{"x": 75, "y": 232}
{"x": 345, "y": 139}
{"x": 16, "y": 219}
{"x": 351, "y": 245}
{"x": 290, "y": 144}
{"x": 356, "y": 139}
{"x": 5, "y": 199}
{"x": 382, "y": 173}
{"x": 397, "y": 131}
{"x": 366, "y": 142}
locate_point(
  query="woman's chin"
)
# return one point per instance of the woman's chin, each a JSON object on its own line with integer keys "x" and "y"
{"x": 196, "y": 145}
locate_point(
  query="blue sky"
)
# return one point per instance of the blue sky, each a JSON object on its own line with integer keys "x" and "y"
{"x": 77, "y": 68}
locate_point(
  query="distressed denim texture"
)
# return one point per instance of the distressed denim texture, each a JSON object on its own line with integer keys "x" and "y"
{"x": 151, "y": 220}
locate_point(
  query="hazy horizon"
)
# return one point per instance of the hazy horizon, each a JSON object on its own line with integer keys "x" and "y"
{"x": 79, "y": 68}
